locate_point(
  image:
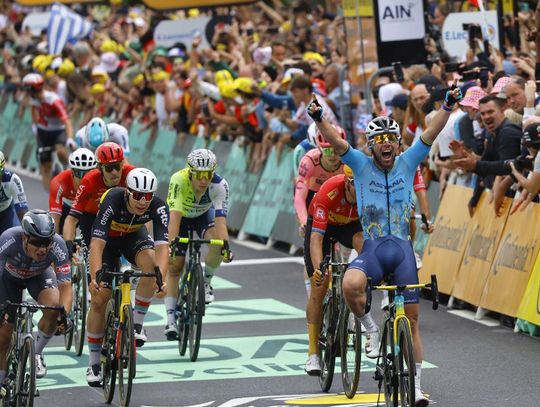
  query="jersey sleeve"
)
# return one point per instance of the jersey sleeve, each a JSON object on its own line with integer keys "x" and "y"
{"x": 55, "y": 196}
{"x": 62, "y": 262}
{"x": 320, "y": 216}
{"x": 17, "y": 192}
{"x": 221, "y": 198}
{"x": 82, "y": 196}
{"x": 174, "y": 196}
{"x": 6, "y": 243}
{"x": 354, "y": 159}
{"x": 104, "y": 217}
{"x": 119, "y": 134}
{"x": 301, "y": 189}
{"x": 160, "y": 218}
{"x": 414, "y": 155}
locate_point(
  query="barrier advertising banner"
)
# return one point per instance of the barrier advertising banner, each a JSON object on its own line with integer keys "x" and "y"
{"x": 513, "y": 263}
{"x": 446, "y": 244}
{"x": 529, "y": 309}
{"x": 485, "y": 233}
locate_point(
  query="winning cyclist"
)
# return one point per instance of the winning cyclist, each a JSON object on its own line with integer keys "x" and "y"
{"x": 384, "y": 187}
{"x": 32, "y": 256}
{"x": 198, "y": 198}
{"x": 64, "y": 186}
{"x": 96, "y": 132}
{"x": 13, "y": 203}
{"x": 119, "y": 230}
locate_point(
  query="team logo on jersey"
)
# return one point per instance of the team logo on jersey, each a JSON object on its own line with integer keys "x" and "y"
{"x": 332, "y": 194}
{"x": 320, "y": 213}
{"x": 162, "y": 212}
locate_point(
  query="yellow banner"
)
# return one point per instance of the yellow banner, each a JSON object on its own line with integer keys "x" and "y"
{"x": 45, "y": 2}
{"x": 513, "y": 264}
{"x": 446, "y": 245}
{"x": 485, "y": 233}
{"x": 508, "y": 7}
{"x": 352, "y": 8}
{"x": 176, "y": 4}
{"x": 529, "y": 309}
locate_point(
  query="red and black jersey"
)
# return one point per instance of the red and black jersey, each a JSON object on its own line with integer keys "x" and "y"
{"x": 62, "y": 191}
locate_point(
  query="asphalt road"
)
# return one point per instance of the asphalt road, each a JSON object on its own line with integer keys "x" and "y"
{"x": 255, "y": 344}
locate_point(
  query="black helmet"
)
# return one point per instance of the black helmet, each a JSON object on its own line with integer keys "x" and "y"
{"x": 531, "y": 136}
{"x": 38, "y": 223}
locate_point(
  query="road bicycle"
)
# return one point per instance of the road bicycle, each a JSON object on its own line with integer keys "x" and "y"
{"x": 118, "y": 354}
{"x": 20, "y": 383}
{"x": 190, "y": 304}
{"x": 395, "y": 367}
{"x": 340, "y": 332}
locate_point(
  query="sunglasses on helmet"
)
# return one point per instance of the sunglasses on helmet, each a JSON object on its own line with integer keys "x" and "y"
{"x": 384, "y": 138}
{"x": 200, "y": 175}
{"x": 138, "y": 196}
{"x": 111, "y": 167}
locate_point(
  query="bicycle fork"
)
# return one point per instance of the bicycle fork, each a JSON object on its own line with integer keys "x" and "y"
{"x": 124, "y": 302}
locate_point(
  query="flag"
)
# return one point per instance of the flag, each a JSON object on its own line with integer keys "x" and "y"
{"x": 65, "y": 25}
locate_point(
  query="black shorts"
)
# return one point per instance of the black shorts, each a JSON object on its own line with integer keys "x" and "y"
{"x": 11, "y": 287}
{"x": 46, "y": 141}
{"x": 342, "y": 234}
{"x": 200, "y": 224}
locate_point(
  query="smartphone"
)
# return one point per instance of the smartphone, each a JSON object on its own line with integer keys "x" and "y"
{"x": 429, "y": 64}
{"x": 398, "y": 71}
{"x": 451, "y": 67}
{"x": 484, "y": 77}
{"x": 249, "y": 32}
{"x": 471, "y": 75}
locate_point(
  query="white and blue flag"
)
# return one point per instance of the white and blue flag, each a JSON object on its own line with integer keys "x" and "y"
{"x": 65, "y": 25}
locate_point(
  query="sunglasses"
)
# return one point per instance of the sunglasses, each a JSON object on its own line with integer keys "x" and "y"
{"x": 138, "y": 196}
{"x": 199, "y": 175}
{"x": 79, "y": 173}
{"x": 384, "y": 138}
{"x": 327, "y": 150}
{"x": 111, "y": 167}
{"x": 45, "y": 243}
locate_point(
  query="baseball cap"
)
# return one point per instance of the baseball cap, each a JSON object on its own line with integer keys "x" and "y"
{"x": 400, "y": 100}
{"x": 530, "y": 135}
{"x": 472, "y": 96}
{"x": 109, "y": 61}
{"x": 500, "y": 85}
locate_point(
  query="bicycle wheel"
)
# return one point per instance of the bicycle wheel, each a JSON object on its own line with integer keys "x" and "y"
{"x": 350, "y": 336}
{"x": 25, "y": 387}
{"x": 109, "y": 364}
{"x": 327, "y": 352}
{"x": 80, "y": 308}
{"x": 182, "y": 312}
{"x": 126, "y": 368}
{"x": 386, "y": 367}
{"x": 196, "y": 310}
{"x": 405, "y": 364}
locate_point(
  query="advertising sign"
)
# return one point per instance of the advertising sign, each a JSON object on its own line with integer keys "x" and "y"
{"x": 169, "y": 32}
{"x": 401, "y": 20}
{"x": 37, "y": 22}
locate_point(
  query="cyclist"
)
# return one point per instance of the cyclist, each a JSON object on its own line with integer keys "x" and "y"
{"x": 384, "y": 185}
{"x": 198, "y": 198}
{"x": 32, "y": 256}
{"x": 64, "y": 186}
{"x": 96, "y": 132}
{"x": 52, "y": 125}
{"x": 315, "y": 168}
{"x": 119, "y": 230}
{"x": 13, "y": 203}
{"x": 309, "y": 143}
{"x": 111, "y": 171}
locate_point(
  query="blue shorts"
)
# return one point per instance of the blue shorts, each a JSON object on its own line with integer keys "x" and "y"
{"x": 200, "y": 224}
{"x": 389, "y": 256}
{"x": 8, "y": 219}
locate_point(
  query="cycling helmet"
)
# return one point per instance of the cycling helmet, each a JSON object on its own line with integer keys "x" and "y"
{"x": 96, "y": 132}
{"x": 347, "y": 171}
{"x": 141, "y": 180}
{"x": 82, "y": 159}
{"x": 38, "y": 223}
{"x": 2, "y": 160}
{"x": 312, "y": 134}
{"x": 26, "y": 62}
{"x": 323, "y": 143}
{"x": 202, "y": 160}
{"x": 66, "y": 68}
{"x": 33, "y": 81}
{"x": 382, "y": 125}
{"x": 109, "y": 153}
{"x": 531, "y": 136}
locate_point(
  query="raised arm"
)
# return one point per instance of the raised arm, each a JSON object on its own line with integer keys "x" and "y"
{"x": 440, "y": 118}
{"x": 328, "y": 131}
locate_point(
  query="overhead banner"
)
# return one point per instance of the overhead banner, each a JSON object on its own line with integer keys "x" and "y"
{"x": 169, "y": 32}
{"x": 176, "y": 4}
{"x": 529, "y": 309}
{"x": 447, "y": 243}
{"x": 37, "y": 22}
{"x": 485, "y": 233}
{"x": 513, "y": 262}
{"x": 401, "y": 20}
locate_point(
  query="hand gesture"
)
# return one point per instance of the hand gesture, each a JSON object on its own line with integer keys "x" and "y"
{"x": 314, "y": 108}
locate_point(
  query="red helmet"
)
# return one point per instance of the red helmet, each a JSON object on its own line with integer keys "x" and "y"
{"x": 109, "y": 153}
{"x": 323, "y": 143}
{"x": 33, "y": 81}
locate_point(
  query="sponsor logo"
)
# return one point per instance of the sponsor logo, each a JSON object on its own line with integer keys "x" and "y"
{"x": 332, "y": 194}
{"x": 320, "y": 213}
{"x": 106, "y": 215}
{"x": 162, "y": 212}
{"x": 58, "y": 252}
{"x": 98, "y": 233}
{"x": 401, "y": 12}
{"x": 8, "y": 243}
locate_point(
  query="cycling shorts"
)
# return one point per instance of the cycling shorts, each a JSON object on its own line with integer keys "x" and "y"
{"x": 389, "y": 259}
{"x": 340, "y": 233}
{"x": 200, "y": 224}
{"x": 11, "y": 288}
{"x": 47, "y": 140}
{"x": 8, "y": 219}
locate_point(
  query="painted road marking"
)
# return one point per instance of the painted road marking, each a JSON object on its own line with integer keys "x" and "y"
{"x": 219, "y": 283}
{"x": 219, "y": 359}
{"x": 268, "y": 260}
{"x": 263, "y": 309}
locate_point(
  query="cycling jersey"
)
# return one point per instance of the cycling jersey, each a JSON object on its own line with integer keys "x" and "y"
{"x": 311, "y": 175}
{"x": 16, "y": 262}
{"x": 52, "y": 112}
{"x": 90, "y": 191}
{"x": 181, "y": 197}
{"x": 62, "y": 192}
{"x": 385, "y": 197}
{"x": 418, "y": 183}
{"x": 117, "y": 134}
{"x": 299, "y": 152}
{"x": 114, "y": 219}
{"x": 12, "y": 192}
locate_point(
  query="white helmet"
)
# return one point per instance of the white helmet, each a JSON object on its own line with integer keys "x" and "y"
{"x": 312, "y": 134}
{"x": 382, "y": 125}
{"x": 82, "y": 159}
{"x": 96, "y": 132}
{"x": 202, "y": 160}
{"x": 141, "y": 180}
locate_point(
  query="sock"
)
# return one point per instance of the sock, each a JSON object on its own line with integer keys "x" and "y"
{"x": 42, "y": 339}
{"x": 141, "y": 308}
{"x": 170, "y": 307}
{"x": 418, "y": 375}
{"x": 3, "y": 374}
{"x": 209, "y": 273}
{"x": 313, "y": 335}
{"x": 369, "y": 323}
{"x": 308, "y": 287}
{"x": 94, "y": 348}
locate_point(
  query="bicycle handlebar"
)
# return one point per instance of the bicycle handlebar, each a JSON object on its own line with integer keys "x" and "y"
{"x": 400, "y": 288}
{"x": 132, "y": 273}
{"x": 30, "y": 306}
{"x": 186, "y": 240}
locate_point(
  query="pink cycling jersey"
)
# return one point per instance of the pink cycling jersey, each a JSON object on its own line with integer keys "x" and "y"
{"x": 311, "y": 175}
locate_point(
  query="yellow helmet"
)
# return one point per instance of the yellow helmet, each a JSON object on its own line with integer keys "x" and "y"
{"x": 243, "y": 85}
{"x": 223, "y": 76}
{"x": 97, "y": 88}
{"x": 66, "y": 68}
{"x": 347, "y": 171}
{"x": 227, "y": 90}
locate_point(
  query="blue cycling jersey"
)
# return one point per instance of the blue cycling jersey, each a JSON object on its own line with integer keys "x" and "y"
{"x": 385, "y": 197}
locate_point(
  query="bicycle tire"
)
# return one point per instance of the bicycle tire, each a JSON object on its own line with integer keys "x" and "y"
{"x": 405, "y": 364}
{"x": 25, "y": 387}
{"x": 182, "y": 321}
{"x": 327, "y": 352}
{"x": 196, "y": 311}
{"x": 82, "y": 309}
{"x": 126, "y": 363}
{"x": 386, "y": 362}
{"x": 351, "y": 353}
{"x": 108, "y": 360}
